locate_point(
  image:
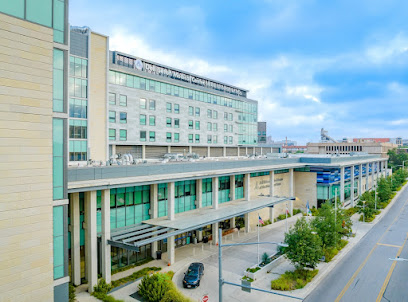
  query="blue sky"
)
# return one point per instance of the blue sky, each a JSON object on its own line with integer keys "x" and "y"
{"x": 341, "y": 65}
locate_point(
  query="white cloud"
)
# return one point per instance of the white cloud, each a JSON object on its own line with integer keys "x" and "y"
{"x": 388, "y": 49}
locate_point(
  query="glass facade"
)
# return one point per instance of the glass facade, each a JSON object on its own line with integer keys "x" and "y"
{"x": 162, "y": 200}
{"x": 207, "y": 192}
{"x": 58, "y": 158}
{"x": 247, "y": 111}
{"x": 223, "y": 189}
{"x": 58, "y": 241}
{"x": 185, "y": 196}
{"x": 239, "y": 186}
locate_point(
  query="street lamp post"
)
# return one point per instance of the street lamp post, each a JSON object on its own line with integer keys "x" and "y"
{"x": 375, "y": 192}
{"x": 363, "y": 210}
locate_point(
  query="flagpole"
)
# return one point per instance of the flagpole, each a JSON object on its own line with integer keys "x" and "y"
{"x": 286, "y": 212}
{"x": 257, "y": 246}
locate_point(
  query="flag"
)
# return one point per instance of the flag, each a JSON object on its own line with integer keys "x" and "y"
{"x": 308, "y": 212}
{"x": 260, "y": 220}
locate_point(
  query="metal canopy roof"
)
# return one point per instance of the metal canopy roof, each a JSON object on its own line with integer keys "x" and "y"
{"x": 153, "y": 230}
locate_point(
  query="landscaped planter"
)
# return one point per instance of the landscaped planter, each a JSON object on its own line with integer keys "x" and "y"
{"x": 263, "y": 270}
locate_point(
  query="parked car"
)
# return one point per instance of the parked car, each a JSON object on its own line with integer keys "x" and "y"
{"x": 193, "y": 275}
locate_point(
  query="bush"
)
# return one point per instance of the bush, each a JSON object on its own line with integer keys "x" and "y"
{"x": 72, "y": 294}
{"x": 282, "y": 217}
{"x": 330, "y": 252}
{"x": 101, "y": 292}
{"x": 351, "y": 211}
{"x": 265, "y": 257}
{"x": 296, "y": 211}
{"x": 294, "y": 280}
{"x": 245, "y": 278}
{"x": 153, "y": 288}
{"x": 136, "y": 275}
{"x": 253, "y": 270}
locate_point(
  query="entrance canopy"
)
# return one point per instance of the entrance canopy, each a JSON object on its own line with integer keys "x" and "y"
{"x": 161, "y": 228}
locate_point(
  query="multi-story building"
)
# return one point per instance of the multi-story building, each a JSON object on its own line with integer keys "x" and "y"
{"x": 262, "y": 132}
{"x": 379, "y": 148}
{"x": 33, "y": 116}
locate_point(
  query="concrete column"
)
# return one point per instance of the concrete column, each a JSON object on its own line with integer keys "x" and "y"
{"x": 105, "y": 247}
{"x": 215, "y": 233}
{"x": 154, "y": 212}
{"x": 291, "y": 184}
{"x": 247, "y": 187}
{"x": 232, "y": 223}
{"x": 367, "y": 176}
{"x": 360, "y": 179}
{"x": 271, "y": 214}
{"x": 143, "y": 152}
{"x": 246, "y": 150}
{"x": 170, "y": 200}
{"x": 224, "y": 151}
{"x": 190, "y": 149}
{"x": 372, "y": 176}
{"x": 261, "y": 151}
{"x": 342, "y": 186}
{"x": 215, "y": 192}
{"x": 171, "y": 252}
{"x": 208, "y": 151}
{"x": 113, "y": 150}
{"x": 352, "y": 186}
{"x": 91, "y": 250}
{"x": 200, "y": 236}
{"x": 247, "y": 226}
{"x": 239, "y": 151}
{"x": 232, "y": 187}
{"x": 199, "y": 193}
{"x": 75, "y": 240}
{"x": 384, "y": 168}
{"x": 253, "y": 150}
{"x": 271, "y": 183}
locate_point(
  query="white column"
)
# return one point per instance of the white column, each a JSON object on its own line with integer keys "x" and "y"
{"x": 154, "y": 212}
{"x": 247, "y": 186}
{"x": 215, "y": 192}
{"x": 385, "y": 166}
{"x": 239, "y": 151}
{"x": 190, "y": 149}
{"x": 75, "y": 240}
{"x": 199, "y": 193}
{"x": 208, "y": 151}
{"x": 232, "y": 223}
{"x": 91, "y": 250}
{"x": 171, "y": 252}
{"x": 271, "y": 183}
{"x": 247, "y": 226}
{"x": 372, "y": 176}
{"x": 341, "y": 186}
{"x": 224, "y": 151}
{"x": 360, "y": 179}
{"x": 271, "y": 214}
{"x": 143, "y": 152}
{"x": 170, "y": 200}
{"x": 105, "y": 247}
{"x": 367, "y": 176}
{"x": 215, "y": 233}
{"x": 352, "y": 186}
{"x": 291, "y": 184}
{"x": 246, "y": 150}
{"x": 168, "y": 149}
{"x": 232, "y": 187}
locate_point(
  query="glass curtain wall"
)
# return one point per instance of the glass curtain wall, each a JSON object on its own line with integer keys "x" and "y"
{"x": 185, "y": 196}
{"x": 207, "y": 192}
{"x": 223, "y": 189}
{"x": 239, "y": 186}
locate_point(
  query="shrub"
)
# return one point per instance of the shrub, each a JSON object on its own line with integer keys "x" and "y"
{"x": 245, "y": 278}
{"x": 253, "y": 270}
{"x": 136, "y": 275}
{"x": 282, "y": 217}
{"x": 101, "y": 292}
{"x": 330, "y": 252}
{"x": 154, "y": 287}
{"x": 296, "y": 211}
{"x": 265, "y": 258}
{"x": 351, "y": 211}
{"x": 72, "y": 294}
{"x": 291, "y": 280}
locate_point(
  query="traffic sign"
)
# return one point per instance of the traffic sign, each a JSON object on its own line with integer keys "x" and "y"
{"x": 205, "y": 298}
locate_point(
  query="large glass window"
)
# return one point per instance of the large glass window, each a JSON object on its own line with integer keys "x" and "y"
{"x": 78, "y": 108}
{"x": 58, "y": 241}
{"x": 223, "y": 189}
{"x": 78, "y": 129}
{"x": 39, "y": 11}
{"x": 58, "y": 80}
{"x": 59, "y": 21}
{"x": 207, "y": 192}
{"x": 58, "y": 158}
{"x": 185, "y": 196}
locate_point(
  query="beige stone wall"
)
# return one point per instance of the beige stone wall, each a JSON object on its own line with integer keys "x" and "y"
{"x": 305, "y": 189}
{"x": 26, "y": 253}
{"x": 97, "y": 100}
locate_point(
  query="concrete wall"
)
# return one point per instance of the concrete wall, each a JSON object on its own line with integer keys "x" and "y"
{"x": 26, "y": 253}
{"x": 97, "y": 101}
{"x": 305, "y": 189}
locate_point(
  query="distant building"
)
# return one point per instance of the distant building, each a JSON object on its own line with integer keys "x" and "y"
{"x": 294, "y": 149}
{"x": 286, "y": 142}
{"x": 262, "y": 132}
{"x": 378, "y": 148}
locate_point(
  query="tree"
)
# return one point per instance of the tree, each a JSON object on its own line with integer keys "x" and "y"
{"x": 304, "y": 245}
{"x": 154, "y": 287}
{"x": 383, "y": 190}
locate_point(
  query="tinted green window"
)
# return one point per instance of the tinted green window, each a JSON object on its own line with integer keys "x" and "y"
{"x": 142, "y": 119}
{"x": 112, "y": 117}
{"x": 58, "y": 158}
{"x": 12, "y": 7}
{"x": 152, "y": 120}
{"x": 59, "y": 21}
{"x": 39, "y": 11}
{"x": 58, "y": 80}
{"x": 123, "y": 135}
{"x": 176, "y": 137}
{"x": 112, "y": 134}
{"x": 58, "y": 241}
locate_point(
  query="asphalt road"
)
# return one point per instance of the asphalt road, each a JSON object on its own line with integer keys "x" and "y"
{"x": 366, "y": 273}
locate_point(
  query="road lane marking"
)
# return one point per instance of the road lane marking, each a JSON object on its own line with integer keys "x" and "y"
{"x": 368, "y": 256}
{"x": 387, "y": 279}
{"x": 391, "y": 245}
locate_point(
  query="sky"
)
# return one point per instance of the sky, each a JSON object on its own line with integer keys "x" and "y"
{"x": 338, "y": 65}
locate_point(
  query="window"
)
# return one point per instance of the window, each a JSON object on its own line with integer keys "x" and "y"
{"x": 142, "y": 103}
{"x": 58, "y": 239}
{"x": 78, "y": 108}
{"x": 112, "y": 134}
{"x": 123, "y": 100}
{"x": 142, "y": 136}
{"x": 168, "y": 137}
{"x": 226, "y": 116}
{"x": 215, "y": 139}
{"x": 176, "y": 137}
{"x": 39, "y": 12}
{"x": 168, "y": 107}
{"x": 197, "y": 138}
{"x": 215, "y": 114}
{"x": 215, "y": 126}
{"x": 230, "y": 117}
{"x": 230, "y": 140}
{"x": 190, "y": 138}
{"x": 168, "y": 122}
{"x": 142, "y": 118}
{"x": 176, "y": 123}
{"x": 123, "y": 117}
{"x": 112, "y": 99}
{"x": 197, "y": 125}
{"x": 190, "y": 110}
{"x": 152, "y": 105}
{"x": 152, "y": 136}
{"x": 77, "y": 129}
{"x": 225, "y": 139}
{"x": 209, "y": 126}
{"x": 209, "y": 139}
{"x": 176, "y": 108}
{"x": 197, "y": 111}
{"x": 112, "y": 117}
{"x": 122, "y": 134}
{"x": 152, "y": 120}
{"x": 225, "y": 128}
{"x": 190, "y": 124}
{"x": 209, "y": 113}
{"x": 231, "y": 128}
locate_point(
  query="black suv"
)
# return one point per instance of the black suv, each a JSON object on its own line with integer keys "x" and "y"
{"x": 193, "y": 275}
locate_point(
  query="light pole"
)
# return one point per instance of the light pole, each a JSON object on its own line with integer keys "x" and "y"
{"x": 221, "y": 281}
{"x": 375, "y": 192}
{"x": 363, "y": 210}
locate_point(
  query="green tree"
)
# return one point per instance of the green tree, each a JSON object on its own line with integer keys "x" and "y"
{"x": 153, "y": 288}
{"x": 383, "y": 190}
{"x": 304, "y": 245}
